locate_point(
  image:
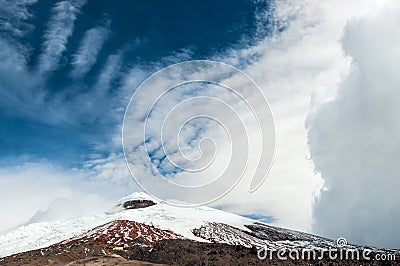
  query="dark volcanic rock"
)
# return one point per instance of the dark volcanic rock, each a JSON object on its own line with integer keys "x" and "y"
{"x": 171, "y": 252}
{"x": 223, "y": 233}
{"x": 273, "y": 233}
{"x": 188, "y": 252}
{"x": 122, "y": 233}
{"x": 137, "y": 204}
{"x": 77, "y": 253}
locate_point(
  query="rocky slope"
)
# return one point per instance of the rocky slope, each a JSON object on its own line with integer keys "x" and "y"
{"x": 122, "y": 233}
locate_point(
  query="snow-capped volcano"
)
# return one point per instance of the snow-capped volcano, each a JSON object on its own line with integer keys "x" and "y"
{"x": 161, "y": 215}
{"x": 140, "y": 220}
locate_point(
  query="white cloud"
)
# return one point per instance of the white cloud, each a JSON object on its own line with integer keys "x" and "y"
{"x": 354, "y": 138}
{"x": 14, "y": 16}
{"x": 26, "y": 94}
{"x": 289, "y": 67}
{"x": 34, "y": 192}
{"x": 18, "y": 86}
{"x": 60, "y": 28}
{"x": 87, "y": 53}
{"x": 108, "y": 73}
{"x": 301, "y": 65}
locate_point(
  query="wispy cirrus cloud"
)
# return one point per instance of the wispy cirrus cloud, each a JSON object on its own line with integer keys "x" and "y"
{"x": 109, "y": 72}
{"x": 60, "y": 28}
{"x": 90, "y": 47}
{"x": 14, "y": 16}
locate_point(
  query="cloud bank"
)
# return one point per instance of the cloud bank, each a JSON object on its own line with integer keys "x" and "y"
{"x": 354, "y": 139}
{"x": 37, "y": 192}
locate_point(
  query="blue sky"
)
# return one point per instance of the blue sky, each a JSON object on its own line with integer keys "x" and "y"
{"x": 136, "y": 34}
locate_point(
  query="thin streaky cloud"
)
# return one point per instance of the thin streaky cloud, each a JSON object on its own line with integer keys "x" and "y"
{"x": 108, "y": 73}
{"x": 14, "y": 16}
{"x": 89, "y": 49}
{"x": 60, "y": 28}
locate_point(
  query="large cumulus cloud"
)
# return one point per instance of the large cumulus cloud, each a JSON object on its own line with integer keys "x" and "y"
{"x": 354, "y": 140}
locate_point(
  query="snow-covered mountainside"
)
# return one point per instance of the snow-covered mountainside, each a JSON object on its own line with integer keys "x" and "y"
{"x": 139, "y": 217}
{"x": 180, "y": 221}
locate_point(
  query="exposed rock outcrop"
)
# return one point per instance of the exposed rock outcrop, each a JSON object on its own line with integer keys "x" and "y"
{"x": 137, "y": 204}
